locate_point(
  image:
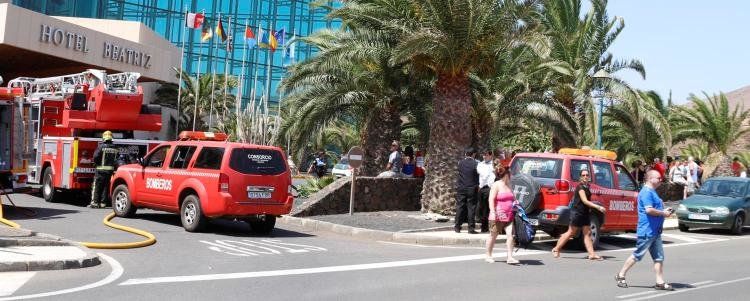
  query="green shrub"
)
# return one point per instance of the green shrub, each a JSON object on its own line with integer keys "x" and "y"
{"x": 314, "y": 185}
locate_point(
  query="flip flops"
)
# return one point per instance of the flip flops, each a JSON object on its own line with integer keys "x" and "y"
{"x": 621, "y": 281}
{"x": 663, "y": 287}
{"x": 595, "y": 258}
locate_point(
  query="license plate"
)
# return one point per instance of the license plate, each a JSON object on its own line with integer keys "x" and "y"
{"x": 258, "y": 195}
{"x": 703, "y": 217}
{"x": 534, "y": 222}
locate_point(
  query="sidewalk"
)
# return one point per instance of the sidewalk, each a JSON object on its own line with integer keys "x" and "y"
{"x": 24, "y": 250}
{"x": 403, "y": 227}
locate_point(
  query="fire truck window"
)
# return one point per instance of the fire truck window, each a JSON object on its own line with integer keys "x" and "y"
{"x": 182, "y": 156}
{"x": 209, "y": 158}
{"x": 625, "y": 180}
{"x": 603, "y": 174}
{"x": 576, "y": 166}
{"x": 157, "y": 157}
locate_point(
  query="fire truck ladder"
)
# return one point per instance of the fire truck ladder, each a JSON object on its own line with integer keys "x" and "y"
{"x": 57, "y": 87}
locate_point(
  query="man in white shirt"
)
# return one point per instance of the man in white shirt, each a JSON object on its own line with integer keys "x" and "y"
{"x": 486, "y": 171}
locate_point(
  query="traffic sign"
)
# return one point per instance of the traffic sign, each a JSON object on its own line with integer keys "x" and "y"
{"x": 355, "y": 156}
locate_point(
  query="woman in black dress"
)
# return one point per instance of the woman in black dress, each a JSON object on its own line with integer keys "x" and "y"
{"x": 580, "y": 218}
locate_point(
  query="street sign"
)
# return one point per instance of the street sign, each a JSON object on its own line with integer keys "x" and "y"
{"x": 355, "y": 156}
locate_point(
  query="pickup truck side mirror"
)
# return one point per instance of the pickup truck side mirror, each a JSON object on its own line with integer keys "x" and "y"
{"x": 141, "y": 162}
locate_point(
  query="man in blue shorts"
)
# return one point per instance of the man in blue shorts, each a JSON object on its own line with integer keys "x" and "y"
{"x": 651, "y": 214}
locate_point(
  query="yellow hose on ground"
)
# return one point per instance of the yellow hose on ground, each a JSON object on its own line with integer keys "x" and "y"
{"x": 151, "y": 239}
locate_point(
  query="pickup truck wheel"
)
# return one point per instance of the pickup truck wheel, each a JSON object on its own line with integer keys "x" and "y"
{"x": 48, "y": 188}
{"x": 263, "y": 224}
{"x": 191, "y": 214}
{"x": 122, "y": 205}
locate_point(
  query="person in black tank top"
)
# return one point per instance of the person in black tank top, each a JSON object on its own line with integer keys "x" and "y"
{"x": 580, "y": 218}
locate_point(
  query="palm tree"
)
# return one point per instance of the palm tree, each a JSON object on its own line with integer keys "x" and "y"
{"x": 166, "y": 95}
{"x": 583, "y": 44}
{"x": 638, "y": 124}
{"x": 712, "y": 121}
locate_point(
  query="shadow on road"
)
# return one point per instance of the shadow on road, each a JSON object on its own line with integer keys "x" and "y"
{"x": 27, "y": 213}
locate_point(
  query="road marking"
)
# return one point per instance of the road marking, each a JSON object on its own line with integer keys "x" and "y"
{"x": 329, "y": 269}
{"x": 116, "y": 272}
{"x": 681, "y": 237}
{"x": 637, "y": 294}
{"x": 13, "y": 281}
{"x": 690, "y": 289}
{"x": 693, "y": 285}
{"x": 427, "y": 246}
{"x": 248, "y": 247}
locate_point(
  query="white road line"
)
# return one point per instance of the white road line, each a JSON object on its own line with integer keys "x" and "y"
{"x": 693, "y": 285}
{"x": 637, "y": 294}
{"x": 690, "y": 289}
{"x": 329, "y": 269}
{"x": 12, "y": 281}
{"x": 116, "y": 272}
{"x": 627, "y": 236}
{"x": 681, "y": 237}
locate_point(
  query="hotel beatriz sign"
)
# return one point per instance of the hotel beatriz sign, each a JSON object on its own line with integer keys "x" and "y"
{"x": 79, "y": 42}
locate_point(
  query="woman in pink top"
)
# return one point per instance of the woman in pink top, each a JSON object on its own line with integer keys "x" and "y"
{"x": 501, "y": 213}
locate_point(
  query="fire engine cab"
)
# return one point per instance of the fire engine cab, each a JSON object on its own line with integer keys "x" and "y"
{"x": 203, "y": 176}
{"x": 15, "y": 145}
{"x": 60, "y": 121}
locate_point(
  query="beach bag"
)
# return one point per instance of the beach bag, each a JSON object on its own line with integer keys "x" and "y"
{"x": 523, "y": 231}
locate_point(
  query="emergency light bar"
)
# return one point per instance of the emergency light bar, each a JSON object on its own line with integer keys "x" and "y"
{"x": 202, "y": 136}
{"x": 599, "y": 153}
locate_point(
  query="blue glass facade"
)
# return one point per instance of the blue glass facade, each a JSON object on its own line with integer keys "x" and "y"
{"x": 167, "y": 17}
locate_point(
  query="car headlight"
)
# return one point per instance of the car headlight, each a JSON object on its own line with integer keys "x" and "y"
{"x": 681, "y": 207}
{"x": 721, "y": 210}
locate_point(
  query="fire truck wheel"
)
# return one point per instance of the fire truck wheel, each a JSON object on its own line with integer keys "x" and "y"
{"x": 262, "y": 224}
{"x": 121, "y": 204}
{"x": 191, "y": 214}
{"x": 48, "y": 188}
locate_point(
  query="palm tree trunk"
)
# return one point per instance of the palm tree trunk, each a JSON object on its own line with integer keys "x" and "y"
{"x": 382, "y": 126}
{"x": 450, "y": 134}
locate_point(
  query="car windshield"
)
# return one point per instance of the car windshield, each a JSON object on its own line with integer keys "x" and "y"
{"x": 723, "y": 188}
{"x": 537, "y": 167}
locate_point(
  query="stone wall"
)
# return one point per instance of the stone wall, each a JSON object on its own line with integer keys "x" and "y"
{"x": 371, "y": 194}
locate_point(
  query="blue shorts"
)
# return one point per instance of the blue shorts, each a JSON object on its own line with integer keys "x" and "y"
{"x": 653, "y": 245}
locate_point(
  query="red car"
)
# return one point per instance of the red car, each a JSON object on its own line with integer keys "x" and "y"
{"x": 544, "y": 184}
{"x": 203, "y": 177}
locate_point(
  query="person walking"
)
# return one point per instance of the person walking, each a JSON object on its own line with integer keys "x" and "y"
{"x": 105, "y": 159}
{"x": 500, "y": 201}
{"x": 580, "y": 217}
{"x": 466, "y": 192}
{"x": 651, "y": 214}
{"x": 486, "y": 172}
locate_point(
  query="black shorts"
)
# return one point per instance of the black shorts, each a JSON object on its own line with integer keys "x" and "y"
{"x": 579, "y": 220}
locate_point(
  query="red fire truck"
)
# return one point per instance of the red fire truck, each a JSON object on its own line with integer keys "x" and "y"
{"x": 66, "y": 116}
{"x": 15, "y": 145}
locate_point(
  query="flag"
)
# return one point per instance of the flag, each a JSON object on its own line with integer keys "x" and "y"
{"x": 272, "y": 42}
{"x": 280, "y": 36}
{"x": 289, "y": 54}
{"x": 220, "y": 32}
{"x": 230, "y": 43}
{"x": 250, "y": 37}
{"x": 263, "y": 38}
{"x": 194, "y": 21}
{"x": 206, "y": 33}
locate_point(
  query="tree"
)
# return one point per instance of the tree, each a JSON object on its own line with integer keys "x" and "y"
{"x": 638, "y": 124}
{"x": 710, "y": 120}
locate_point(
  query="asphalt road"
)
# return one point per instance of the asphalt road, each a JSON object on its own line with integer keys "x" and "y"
{"x": 229, "y": 263}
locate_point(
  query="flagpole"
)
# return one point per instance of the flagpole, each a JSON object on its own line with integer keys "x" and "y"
{"x": 213, "y": 83}
{"x": 226, "y": 70}
{"x": 240, "y": 90}
{"x": 196, "y": 98}
{"x": 255, "y": 76}
{"x": 179, "y": 84}
{"x": 267, "y": 86}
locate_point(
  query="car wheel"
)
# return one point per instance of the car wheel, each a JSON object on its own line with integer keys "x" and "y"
{"x": 683, "y": 227}
{"x": 263, "y": 224}
{"x": 121, "y": 203}
{"x": 48, "y": 189}
{"x": 191, "y": 214}
{"x": 739, "y": 221}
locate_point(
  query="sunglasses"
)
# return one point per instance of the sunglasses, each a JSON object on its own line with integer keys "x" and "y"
{"x": 584, "y": 175}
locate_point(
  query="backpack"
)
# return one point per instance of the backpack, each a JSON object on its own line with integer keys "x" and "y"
{"x": 523, "y": 231}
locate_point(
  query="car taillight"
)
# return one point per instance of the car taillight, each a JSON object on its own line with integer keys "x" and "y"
{"x": 562, "y": 185}
{"x": 223, "y": 183}
{"x": 550, "y": 216}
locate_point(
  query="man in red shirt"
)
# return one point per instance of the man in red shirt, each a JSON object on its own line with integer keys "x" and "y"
{"x": 736, "y": 167}
{"x": 658, "y": 166}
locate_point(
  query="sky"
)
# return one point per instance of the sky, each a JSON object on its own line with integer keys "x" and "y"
{"x": 687, "y": 46}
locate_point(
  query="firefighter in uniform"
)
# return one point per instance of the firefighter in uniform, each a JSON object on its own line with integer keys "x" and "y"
{"x": 105, "y": 158}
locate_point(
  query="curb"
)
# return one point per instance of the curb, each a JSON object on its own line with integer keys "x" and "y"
{"x": 401, "y": 237}
{"x": 46, "y": 240}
